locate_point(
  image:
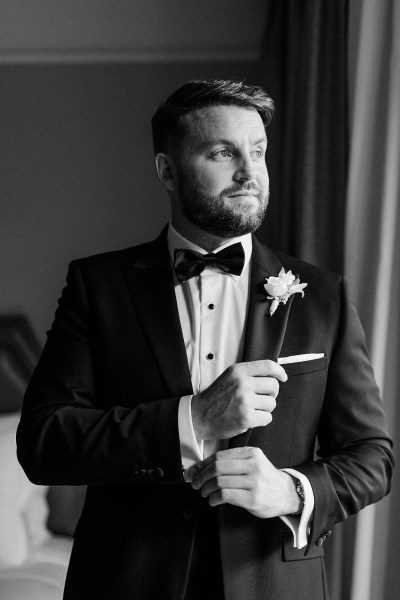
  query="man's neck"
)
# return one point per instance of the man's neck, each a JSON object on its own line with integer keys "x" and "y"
{"x": 204, "y": 239}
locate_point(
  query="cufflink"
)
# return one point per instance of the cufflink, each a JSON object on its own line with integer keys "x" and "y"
{"x": 300, "y": 490}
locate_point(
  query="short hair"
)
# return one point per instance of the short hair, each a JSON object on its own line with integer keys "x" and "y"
{"x": 167, "y": 123}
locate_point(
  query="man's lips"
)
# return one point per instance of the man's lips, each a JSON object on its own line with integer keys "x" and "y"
{"x": 244, "y": 193}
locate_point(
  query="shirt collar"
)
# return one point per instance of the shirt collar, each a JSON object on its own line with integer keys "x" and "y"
{"x": 176, "y": 240}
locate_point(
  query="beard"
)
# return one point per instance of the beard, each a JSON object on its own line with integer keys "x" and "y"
{"x": 219, "y": 216}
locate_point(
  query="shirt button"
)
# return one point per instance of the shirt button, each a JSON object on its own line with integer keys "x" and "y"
{"x": 210, "y": 356}
{"x": 211, "y": 306}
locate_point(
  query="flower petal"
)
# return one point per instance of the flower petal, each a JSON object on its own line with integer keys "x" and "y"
{"x": 274, "y": 280}
{"x": 273, "y": 307}
{"x": 298, "y": 288}
{"x": 276, "y": 289}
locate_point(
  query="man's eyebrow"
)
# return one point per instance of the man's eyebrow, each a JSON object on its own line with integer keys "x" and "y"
{"x": 213, "y": 142}
{"x": 227, "y": 142}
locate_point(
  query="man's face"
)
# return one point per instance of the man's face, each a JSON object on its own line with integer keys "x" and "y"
{"x": 221, "y": 177}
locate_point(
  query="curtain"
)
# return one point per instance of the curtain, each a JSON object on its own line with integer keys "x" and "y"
{"x": 304, "y": 70}
{"x": 372, "y": 259}
{"x": 316, "y": 214}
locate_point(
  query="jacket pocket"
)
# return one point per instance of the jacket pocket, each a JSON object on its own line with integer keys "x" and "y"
{"x": 306, "y": 366}
{"x": 289, "y": 553}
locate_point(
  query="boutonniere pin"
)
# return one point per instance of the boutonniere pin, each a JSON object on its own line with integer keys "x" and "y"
{"x": 281, "y": 288}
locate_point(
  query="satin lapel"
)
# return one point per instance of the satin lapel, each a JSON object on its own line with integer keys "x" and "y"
{"x": 264, "y": 334}
{"x": 152, "y": 291}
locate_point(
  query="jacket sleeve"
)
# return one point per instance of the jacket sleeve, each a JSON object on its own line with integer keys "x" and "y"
{"x": 65, "y": 438}
{"x": 355, "y": 461}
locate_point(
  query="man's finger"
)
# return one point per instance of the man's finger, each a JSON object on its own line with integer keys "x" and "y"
{"x": 266, "y": 403}
{"x": 216, "y": 470}
{"x": 265, "y": 368}
{"x": 260, "y": 418}
{"x": 213, "y": 463}
{"x": 221, "y": 482}
{"x": 267, "y": 386}
{"x": 231, "y": 454}
{"x": 235, "y": 497}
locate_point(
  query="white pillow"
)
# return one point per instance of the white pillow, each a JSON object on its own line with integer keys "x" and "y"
{"x": 23, "y": 505}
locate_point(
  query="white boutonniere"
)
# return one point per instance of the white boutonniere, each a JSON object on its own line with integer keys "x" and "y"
{"x": 281, "y": 288}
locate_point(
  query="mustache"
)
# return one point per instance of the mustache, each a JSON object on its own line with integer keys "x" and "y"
{"x": 245, "y": 187}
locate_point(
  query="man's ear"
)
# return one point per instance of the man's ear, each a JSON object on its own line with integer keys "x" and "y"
{"x": 165, "y": 171}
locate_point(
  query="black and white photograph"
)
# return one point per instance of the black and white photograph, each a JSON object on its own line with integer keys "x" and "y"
{"x": 199, "y": 299}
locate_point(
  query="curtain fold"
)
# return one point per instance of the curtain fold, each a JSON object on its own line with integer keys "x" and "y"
{"x": 304, "y": 68}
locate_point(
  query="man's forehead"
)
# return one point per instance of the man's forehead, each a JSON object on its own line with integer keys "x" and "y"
{"x": 221, "y": 121}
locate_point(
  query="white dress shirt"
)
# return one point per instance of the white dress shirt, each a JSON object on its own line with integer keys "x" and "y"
{"x": 213, "y": 311}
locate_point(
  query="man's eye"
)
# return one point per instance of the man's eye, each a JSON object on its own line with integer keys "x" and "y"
{"x": 222, "y": 154}
{"x": 258, "y": 153}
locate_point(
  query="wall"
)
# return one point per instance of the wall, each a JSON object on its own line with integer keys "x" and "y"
{"x": 53, "y": 31}
{"x": 77, "y": 173}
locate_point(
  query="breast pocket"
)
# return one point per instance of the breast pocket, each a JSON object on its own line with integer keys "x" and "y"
{"x": 306, "y": 383}
{"x": 306, "y": 366}
{"x": 290, "y": 438}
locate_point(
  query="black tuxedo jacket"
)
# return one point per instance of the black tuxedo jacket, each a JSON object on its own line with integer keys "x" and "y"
{"x": 102, "y": 406}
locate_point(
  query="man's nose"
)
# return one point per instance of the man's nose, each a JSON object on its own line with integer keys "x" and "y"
{"x": 245, "y": 169}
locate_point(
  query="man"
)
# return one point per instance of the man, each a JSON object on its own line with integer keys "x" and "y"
{"x": 198, "y": 349}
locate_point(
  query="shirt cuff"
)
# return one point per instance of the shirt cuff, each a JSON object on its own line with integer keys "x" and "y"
{"x": 299, "y": 524}
{"x": 191, "y": 450}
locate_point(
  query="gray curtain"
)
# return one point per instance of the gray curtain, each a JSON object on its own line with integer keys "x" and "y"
{"x": 304, "y": 70}
{"x": 372, "y": 260}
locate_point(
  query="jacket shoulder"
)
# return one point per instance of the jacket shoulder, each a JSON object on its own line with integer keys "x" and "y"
{"x": 126, "y": 257}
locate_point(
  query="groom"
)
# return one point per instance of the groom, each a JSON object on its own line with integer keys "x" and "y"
{"x": 188, "y": 384}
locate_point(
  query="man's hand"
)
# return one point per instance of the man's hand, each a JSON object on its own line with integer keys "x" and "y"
{"x": 245, "y": 477}
{"x": 241, "y": 398}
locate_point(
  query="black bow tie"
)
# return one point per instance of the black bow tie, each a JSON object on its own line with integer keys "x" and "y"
{"x": 189, "y": 263}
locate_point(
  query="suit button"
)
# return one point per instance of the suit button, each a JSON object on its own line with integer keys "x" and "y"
{"x": 187, "y": 512}
{"x": 319, "y": 541}
{"x": 158, "y": 473}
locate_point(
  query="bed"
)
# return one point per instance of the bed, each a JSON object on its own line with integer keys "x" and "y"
{"x": 36, "y": 522}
